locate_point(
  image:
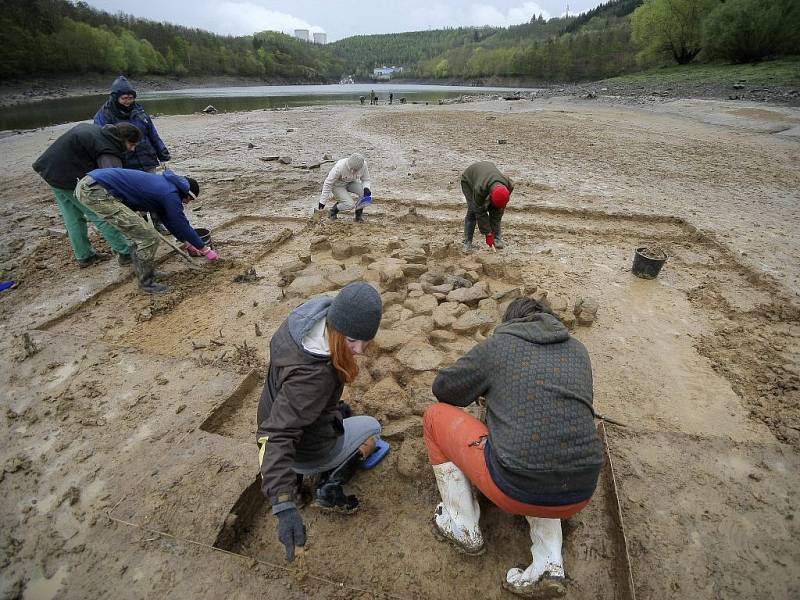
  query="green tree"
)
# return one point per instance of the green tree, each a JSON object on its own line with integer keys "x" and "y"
{"x": 751, "y": 30}
{"x": 671, "y": 27}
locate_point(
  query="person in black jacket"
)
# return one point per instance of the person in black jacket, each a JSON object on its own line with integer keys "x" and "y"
{"x": 303, "y": 427}
{"x": 537, "y": 455}
{"x": 69, "y": 159}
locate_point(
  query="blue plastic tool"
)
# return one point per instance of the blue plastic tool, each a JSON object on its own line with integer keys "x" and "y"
{"x": 366, "y": 200}
{"x": 382, "y": 448}
{"x": 5, "y": 285}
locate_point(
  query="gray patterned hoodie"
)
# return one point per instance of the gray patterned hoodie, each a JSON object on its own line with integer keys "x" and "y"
{"x": 543, "y": 447}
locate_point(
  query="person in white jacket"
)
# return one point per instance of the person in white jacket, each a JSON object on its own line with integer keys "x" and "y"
{"x": 347, "y": 177}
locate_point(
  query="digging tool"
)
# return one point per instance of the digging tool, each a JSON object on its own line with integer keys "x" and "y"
{"x": 181, "y": 252}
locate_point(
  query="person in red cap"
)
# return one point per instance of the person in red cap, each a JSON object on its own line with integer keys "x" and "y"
{"x": 487, "y": 192}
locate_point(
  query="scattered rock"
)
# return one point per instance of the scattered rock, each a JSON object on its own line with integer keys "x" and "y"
{"x": 424, "y": 305}
{"x": 488, "y": 305}
{"x": 412, "y": 459}
{"x": 320, "y": 243}
{"x": 144, "y": 315}
{"x": 419, "y": 356}
{"x": 288, "y": 271}
{"x": 442, "y": 335}
{"x": 391, "y": 339}
{"x": 390, "y": 298}
{"x": 411, "y": 255}
{"x": 469, "y": 295}
{"x": 387, "y": 398}
{"x": 210, "y": 110}
{"x": 419, "y": 325}
{"x": 271, "y": 158}
{"x": 385, "y": 365}
{"x": 285, "y": 160}
{"x": 308, "y": 285}
{"x": 446, "y": 314}
{"x": 493, "y": 266}
{"x": 414, "y": 270}
{"x": 407, "y": 428}
{"x": 345, "y": 249}
{"x": 349, "y": 275}
{"x": 472, "y": 321}
{"x": 502, "y": 142}
{"x": 585, "y": 311}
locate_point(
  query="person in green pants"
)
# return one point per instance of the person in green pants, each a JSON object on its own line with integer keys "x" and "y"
{"x": 75, "y": 153}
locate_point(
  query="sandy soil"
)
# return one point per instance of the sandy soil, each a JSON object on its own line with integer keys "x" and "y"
{"x": 128, "y": 462}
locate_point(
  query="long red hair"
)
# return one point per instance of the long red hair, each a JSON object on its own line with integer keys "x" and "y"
{"x": 341, "y": 357}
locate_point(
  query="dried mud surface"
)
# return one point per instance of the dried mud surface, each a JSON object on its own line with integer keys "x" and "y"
{"x": 128, "y": 462}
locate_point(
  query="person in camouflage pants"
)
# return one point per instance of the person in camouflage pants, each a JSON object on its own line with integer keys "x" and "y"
{"x": 138, "y": 231}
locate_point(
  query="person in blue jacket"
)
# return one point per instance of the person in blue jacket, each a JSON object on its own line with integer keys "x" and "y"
{"x": 115, "y": 194}
{"x": 121, "y": 107}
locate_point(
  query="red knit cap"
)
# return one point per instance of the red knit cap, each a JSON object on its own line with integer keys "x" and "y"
{"x": 500, "y": 196}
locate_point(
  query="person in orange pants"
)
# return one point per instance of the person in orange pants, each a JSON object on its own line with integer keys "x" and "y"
{"x": 538, "y": 454}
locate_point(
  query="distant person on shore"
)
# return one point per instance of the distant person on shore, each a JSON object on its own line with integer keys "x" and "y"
{"x": 391, "y": 97}
{"x": 349, "y": 177}
{"x": 487, "y": 192}
{"x": 363, "y": 99}
{"x": 372, "y": 97}
{"x": 76, "y": 152}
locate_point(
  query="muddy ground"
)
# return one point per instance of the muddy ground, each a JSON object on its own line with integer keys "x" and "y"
{"x": 128, "y": 456}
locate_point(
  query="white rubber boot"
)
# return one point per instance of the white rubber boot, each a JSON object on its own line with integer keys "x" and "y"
{"x": 544, "y": 578}
{"x": 456, "y": 517}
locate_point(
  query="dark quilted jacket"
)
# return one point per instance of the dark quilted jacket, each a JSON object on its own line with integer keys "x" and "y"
{"x": 543, "y": 447}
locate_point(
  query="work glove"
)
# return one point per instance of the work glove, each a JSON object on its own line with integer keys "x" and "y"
{"x": 291, "y": 531}
{"x": 211, "y": 255}
{"x": 320, "y": 206}
{"x": 490, "y": 239}
{"x": 165, "y": 156}
{"x": 192, "y": 250}
{"x": 367, "y": 192}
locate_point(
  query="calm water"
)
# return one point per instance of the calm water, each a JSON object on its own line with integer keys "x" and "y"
{"x": 228, "y": 99}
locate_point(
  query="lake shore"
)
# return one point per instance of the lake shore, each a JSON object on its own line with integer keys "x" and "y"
{"x": 24, "y": 91}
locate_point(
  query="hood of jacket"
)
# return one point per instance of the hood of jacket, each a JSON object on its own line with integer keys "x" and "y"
{"x": 539, "y": 328}
{"x": 305, "y": 316}
{"x": 179, "y": 181}
{"x": 122, "y": 86}
{"x": 111, "y": 133}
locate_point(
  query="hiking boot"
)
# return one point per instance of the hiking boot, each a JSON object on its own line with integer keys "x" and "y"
{"x": 94, "y": 259}
{"x": 467, "y": 249}
{"x": 360, "y": 215}
{"x": 498, "y": 243}
{"x": 332, "y": 216}
{"x": 330, "y": 496}
{"x": 124, "y": 259}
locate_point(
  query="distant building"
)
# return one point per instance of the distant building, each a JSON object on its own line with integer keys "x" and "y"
{"x": 301, "y": 34}
{"x": 320, "y": 38}
{"x": 385, "y": 73}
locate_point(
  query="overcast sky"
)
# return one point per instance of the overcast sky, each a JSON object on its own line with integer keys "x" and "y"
{"x": 340, "y": 18}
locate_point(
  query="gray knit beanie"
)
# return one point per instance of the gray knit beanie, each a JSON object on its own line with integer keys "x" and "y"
{"x": 356, "y": 311}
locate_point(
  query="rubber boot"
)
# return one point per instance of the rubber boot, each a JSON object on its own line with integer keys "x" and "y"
{"x": 145, "y": 273}
{"x": 332, "y": 216}
{"x": 544, "y": 578}
{"x": 455, "y": 519}
{"x": 469, "y": 232}
{"x": 330, "y": 495}
{"x": 359, "y": 215}
{"x": 498, "y": 238}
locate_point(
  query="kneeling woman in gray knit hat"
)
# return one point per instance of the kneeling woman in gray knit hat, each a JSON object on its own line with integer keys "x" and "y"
{"x": 303, "y": 427}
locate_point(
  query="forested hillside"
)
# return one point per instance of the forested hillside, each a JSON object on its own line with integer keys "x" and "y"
{"x": 56, "y": 36}
{"x": 617, "y": 37}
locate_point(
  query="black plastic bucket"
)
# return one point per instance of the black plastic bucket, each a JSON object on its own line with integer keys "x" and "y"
{"x": 647, "y": 262}
{"x": 205, "y": 235}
